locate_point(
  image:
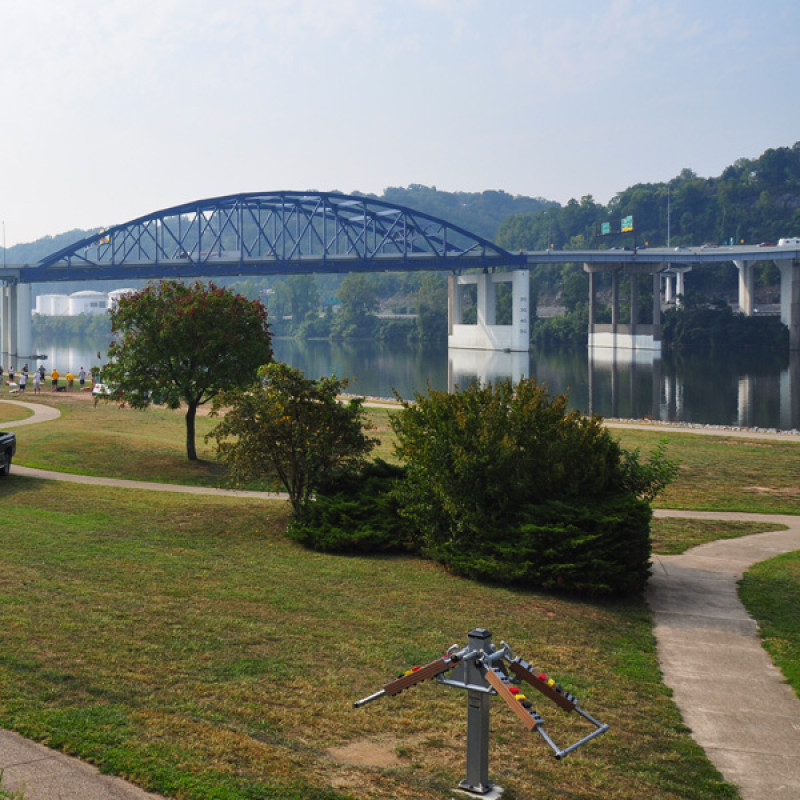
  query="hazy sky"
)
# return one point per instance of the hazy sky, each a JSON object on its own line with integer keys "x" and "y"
{"x": 113, "y": 109}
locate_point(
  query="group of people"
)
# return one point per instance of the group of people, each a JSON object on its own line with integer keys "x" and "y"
{"x": 21, "y": 382}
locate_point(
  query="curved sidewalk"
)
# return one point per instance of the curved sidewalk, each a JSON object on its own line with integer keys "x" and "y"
{"x": 736, "y": 702}
{"x": 40, "y": 413}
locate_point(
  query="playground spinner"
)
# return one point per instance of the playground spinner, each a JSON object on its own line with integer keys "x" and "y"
{"x": 484, "y": 670}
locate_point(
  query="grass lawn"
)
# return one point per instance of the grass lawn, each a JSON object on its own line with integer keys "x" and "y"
{"x": 674, "y": 536}
{"x": 771, "y": 592}
{"x": 719, "y": 473}
{"x": 12, "y": 413}
{"x": 185, "y": 644}
{"x": 117, "y": 442}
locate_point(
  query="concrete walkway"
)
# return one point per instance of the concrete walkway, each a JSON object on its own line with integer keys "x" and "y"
{"x": 44, "y": 774}
{"x": 734, "y": 700}
{"x": 39, "y": 413}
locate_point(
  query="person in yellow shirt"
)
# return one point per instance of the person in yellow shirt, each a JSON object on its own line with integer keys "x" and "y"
{"x": 70, "y": 381}
{"x": 54, "y": 379}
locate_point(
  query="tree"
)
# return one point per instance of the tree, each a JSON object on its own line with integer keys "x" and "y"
{"x": 291, "y": 429}
{"x": 505, "y": 484}
{"x": 184, "y": 344}
{"x": 432, "y": 308}
{"x": 305, "y": 296}
{"x": 358, "y": 297}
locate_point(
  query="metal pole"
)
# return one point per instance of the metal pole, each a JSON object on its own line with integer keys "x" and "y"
{"x": 478, "y": 706}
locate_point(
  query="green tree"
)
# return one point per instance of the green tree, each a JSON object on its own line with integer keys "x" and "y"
{"x": 292, "y": 430}
{"x": 184, "y": 344}
{"x": 304, "y": 296}
{"x": 358, "y": 297}
{"x": 432, "y": 308}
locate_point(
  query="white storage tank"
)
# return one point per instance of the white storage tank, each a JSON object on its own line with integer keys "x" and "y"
{"x": 87, "y": 302}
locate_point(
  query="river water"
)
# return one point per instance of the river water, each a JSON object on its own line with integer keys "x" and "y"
{"x": 748, "y": 390}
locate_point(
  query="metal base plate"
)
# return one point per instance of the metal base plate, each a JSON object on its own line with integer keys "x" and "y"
{"x": 493, "y": 793}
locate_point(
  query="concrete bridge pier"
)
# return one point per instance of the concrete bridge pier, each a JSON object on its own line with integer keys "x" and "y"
{"x": 16, "y": 324}
{"x": 746, "y": 286}
{"x": 675, "y": 284}
{"x": 487, "y": 334}
{"x": 634, "y": 335}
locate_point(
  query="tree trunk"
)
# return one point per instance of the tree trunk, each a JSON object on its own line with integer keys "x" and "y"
{"x": 191, "y": 413}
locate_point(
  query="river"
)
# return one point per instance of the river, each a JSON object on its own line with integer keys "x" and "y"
{"x": 748, "y": 390}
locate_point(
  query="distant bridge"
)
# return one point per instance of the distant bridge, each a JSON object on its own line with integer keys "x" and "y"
{"x": 276, "y": 233}
{"x": 270, "y": 233}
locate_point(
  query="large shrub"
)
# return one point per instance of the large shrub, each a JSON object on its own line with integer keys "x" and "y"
{"x": 356, "y": 513}
{"x": 292, "y": 431}
{"x": 505, "y": 483}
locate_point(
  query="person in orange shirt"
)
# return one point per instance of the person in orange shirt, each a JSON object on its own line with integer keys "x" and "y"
{"x": 54, "y": 379}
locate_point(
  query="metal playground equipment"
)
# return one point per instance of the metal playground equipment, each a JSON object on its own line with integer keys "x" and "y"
{"x": 484, "y": 670}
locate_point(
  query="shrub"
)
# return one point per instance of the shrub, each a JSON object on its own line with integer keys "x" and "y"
{"x": 356, "y": 513}
{"x": 292, "y": 430}
{"x": 505, "y": 483}
{"x": 602, "y": 549}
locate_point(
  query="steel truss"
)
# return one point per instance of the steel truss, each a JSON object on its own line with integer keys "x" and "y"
{"x": 271, "y": 233}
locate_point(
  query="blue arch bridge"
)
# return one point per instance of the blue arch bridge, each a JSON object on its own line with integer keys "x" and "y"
{"x": 284, "y": 233}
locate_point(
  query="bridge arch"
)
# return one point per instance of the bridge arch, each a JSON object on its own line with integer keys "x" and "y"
{"x": 271, "y": 233}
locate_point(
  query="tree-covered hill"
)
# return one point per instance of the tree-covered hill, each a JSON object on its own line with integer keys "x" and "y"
{"x": 478, "y": 212}
{"x": 754, "y": 200}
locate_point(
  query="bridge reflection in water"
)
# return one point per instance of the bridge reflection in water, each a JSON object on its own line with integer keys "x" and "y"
{"x": 759, "y": 390}
{"x": 629, "y": 384}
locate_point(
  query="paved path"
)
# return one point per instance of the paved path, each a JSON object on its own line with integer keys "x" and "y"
{"x": 736, "y": 703}
{"x": 40, "y": 413}
{"x": 46, "y": 474}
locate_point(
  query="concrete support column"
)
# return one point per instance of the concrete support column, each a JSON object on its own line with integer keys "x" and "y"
{"x": 24, "y": 321}
{"x": 656, "y": 307}
{"x": 520, "y": 307}
{"x": 455, "y": 306}
{"x": 669, "y": 295}
{"x": 679, "y": 275}
{"x": 591, "y": 297}
{"x": 10, "y": 316}
{"x": 792, "y": 291}
{"x": 787, "y": 273}
{"x": 746, "y": 280}
{"x": 680, "y": 287}
{"x": 487, "y": 334}
{"x": 614, "y": 301}
{"x": 487, "y": 293}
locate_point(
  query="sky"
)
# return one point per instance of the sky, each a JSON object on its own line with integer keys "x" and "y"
{"x": 111, "y": 110}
